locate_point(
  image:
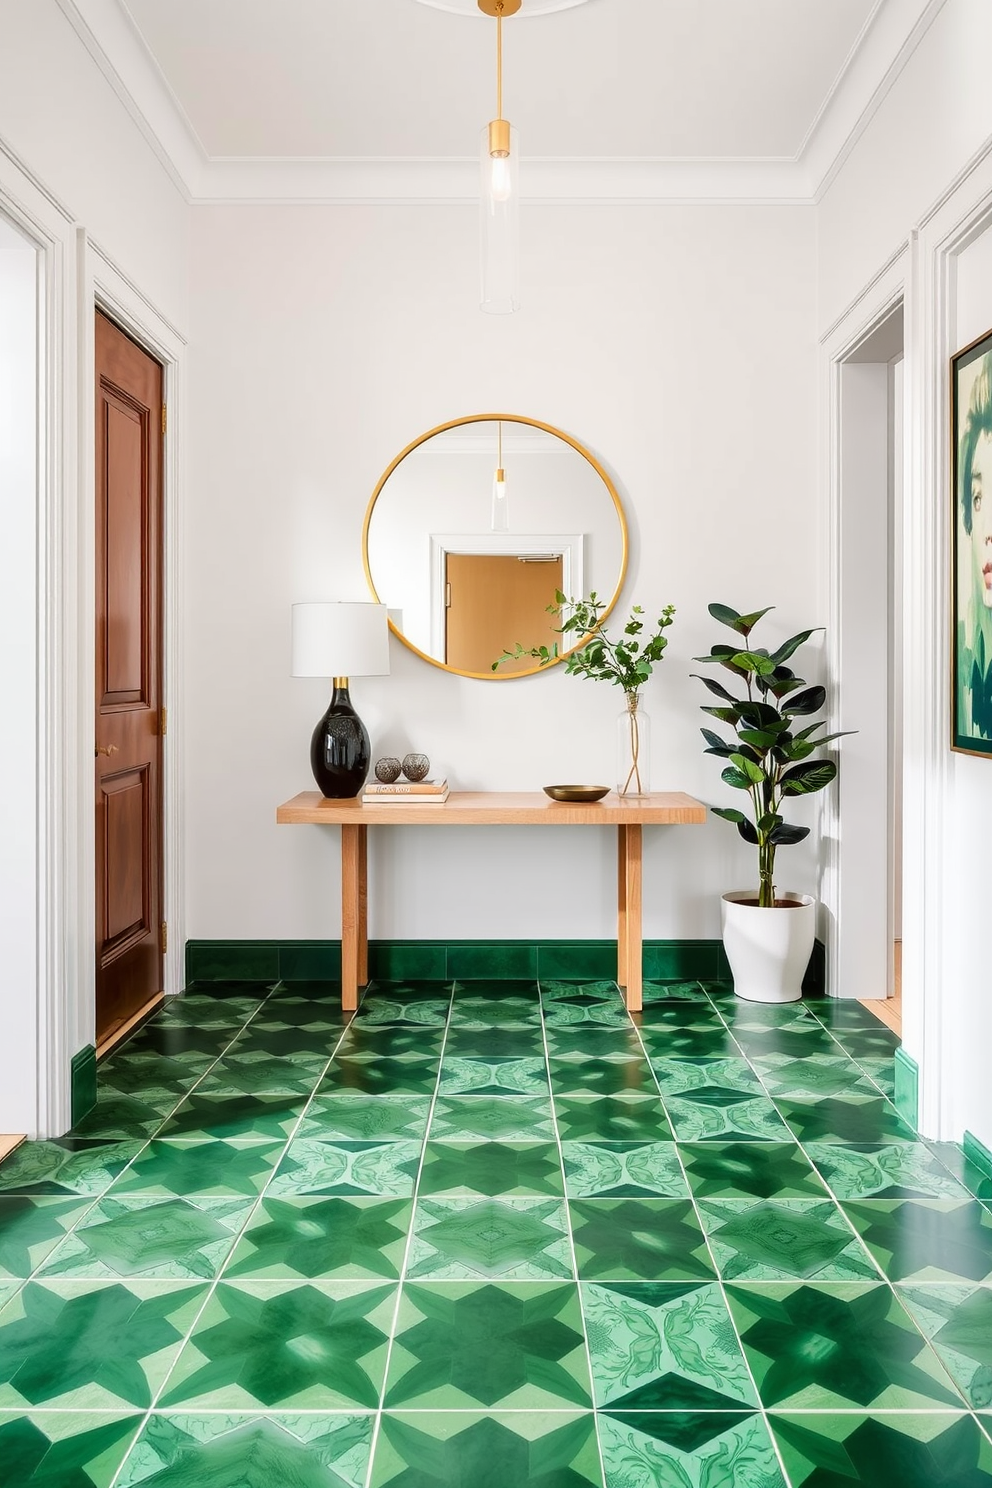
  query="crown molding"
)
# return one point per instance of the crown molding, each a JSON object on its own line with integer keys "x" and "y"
{"x": 881, "y": 51}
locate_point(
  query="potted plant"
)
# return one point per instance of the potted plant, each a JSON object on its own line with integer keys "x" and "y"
{"x": 626, "y": 663}
{"x": 768, "y": 935}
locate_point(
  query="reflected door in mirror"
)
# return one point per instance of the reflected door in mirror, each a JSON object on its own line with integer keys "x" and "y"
{"x": 494, "y": 602}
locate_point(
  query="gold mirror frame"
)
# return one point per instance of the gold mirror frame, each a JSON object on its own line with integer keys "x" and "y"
{"x": 506, "y": 418}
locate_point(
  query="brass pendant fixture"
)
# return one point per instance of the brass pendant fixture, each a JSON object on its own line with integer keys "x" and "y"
{"x": 500, "y": 513}
{"x": 500, "y": 194}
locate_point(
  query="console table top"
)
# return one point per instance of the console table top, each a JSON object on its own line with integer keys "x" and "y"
{"x": 497, "y": 808}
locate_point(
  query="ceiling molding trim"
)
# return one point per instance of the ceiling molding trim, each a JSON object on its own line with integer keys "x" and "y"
{"x": 456, "y": 182}
{"x": 115, "y": 46}
{"x": 888, "y": 41}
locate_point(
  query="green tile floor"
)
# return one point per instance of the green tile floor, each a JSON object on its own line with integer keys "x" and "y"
{"x": 488, "y": 1235}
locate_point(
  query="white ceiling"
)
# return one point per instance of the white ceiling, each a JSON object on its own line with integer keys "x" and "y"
{"x": 615, "y": 99}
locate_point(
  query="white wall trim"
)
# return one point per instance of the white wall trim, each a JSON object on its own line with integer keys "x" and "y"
{"x": 107, "y": 287}
{"x": 49, "y": 227}
{"x": 961, "y": 215}
{"x": 887, "y": 40}
{"x": 876, "y": 302}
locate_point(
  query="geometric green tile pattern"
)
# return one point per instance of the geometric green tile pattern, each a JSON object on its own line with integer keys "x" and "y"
{"x": 493, "y": 1234}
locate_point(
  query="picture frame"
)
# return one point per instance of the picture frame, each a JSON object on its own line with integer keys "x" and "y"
{"x": 971, "y": 548}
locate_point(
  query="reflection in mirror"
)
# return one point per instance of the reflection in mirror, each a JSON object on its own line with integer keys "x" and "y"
{"x": 473, "y": 530}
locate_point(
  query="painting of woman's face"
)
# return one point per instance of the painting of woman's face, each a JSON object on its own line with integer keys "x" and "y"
{"x": 971, "y": 385}
{"x": 981, "y": 517}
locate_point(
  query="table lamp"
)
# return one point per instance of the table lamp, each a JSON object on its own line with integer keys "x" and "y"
{"x": 340, "y": 641}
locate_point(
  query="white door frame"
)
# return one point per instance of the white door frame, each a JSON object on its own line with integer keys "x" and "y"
{"x": 43, "y": 1109}
{"x": 503, "y": 545}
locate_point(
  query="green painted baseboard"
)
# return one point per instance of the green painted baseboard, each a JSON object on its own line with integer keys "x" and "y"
{"x": 393, "y": 960}
{"x": 82, "y": 1082}
{"x": 977, "y": 1153}
{"x": 907, "y": 1096}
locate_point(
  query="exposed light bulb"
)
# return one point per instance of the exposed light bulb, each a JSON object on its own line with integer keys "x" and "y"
{"x": 500, "y": 515}
{"x": 501, "y": 179}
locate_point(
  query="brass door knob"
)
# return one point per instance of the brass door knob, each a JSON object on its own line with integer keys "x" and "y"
{"x": 107, "y": 749}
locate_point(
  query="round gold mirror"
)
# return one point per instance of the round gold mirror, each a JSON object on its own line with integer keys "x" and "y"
{"x": 473, "y": 529}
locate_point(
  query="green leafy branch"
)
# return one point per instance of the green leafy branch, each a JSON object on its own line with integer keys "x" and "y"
{"x": 771, "y": 759}
{"x": 627, "y": 662}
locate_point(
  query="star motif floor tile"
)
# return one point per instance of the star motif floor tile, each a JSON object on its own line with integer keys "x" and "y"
{"x": 685, "y": 1448}
{"x": 638, "y": 1240}
{"x": 495, "y": 1043}
{"x": 302, "y": 1237}
{"x": 507, "y": 1345}
{"x": 505, "y": 1118}
{"x": 842, "y": 1346}
{"x": 31, "y": 1228}
{"x": 577, "y": 993}
{"x": 679, "y": 1077}
{"x": 377, "y": 1169}
{"x": 392, "y": 1040}
{"x": 674, "y": 992}
{"x": 593, "y": 1040}
{"x": 377, "y": 1011}
{"x": 152, "y": 1079}
{"x": 64, "y": 1449}
{"x": 483, "y": 1012}
{"x": 576, "y": 1011}
{"x": 513, "y": 1169}
{"x": 123, "y": 1117}
{"x": 926, "y": 1239}
{"x": 254, "y": 1074}
{"x": 623, "y": 1170}
{"x": 223, "y": 1449}
{"x": 667, "y": 1346}
{"x": 235, "y": 1115}
{"x": 790, "y": 1239}
{"x": 270, "y": 1345}
{"x": 718, "y": 1113}
{"x": 854, "y": 1120}
{"x": 913, "y": 1451}
{"x": 366, "y": 1117}
{"x": 68, "y": 1166}
{"x": 228, "y": 1169}
{"x": 738, "y": 1170}
{"x": 578, "y": 1075}
{"x": 625, "y": 1118}
{"x": 677, "y": 1041}
{"x": 814, "y": 1079}
{"x": 901, "y": 1170}
{"x": 92, "y": 1345}
{"x": 465, "y": 1239}
{"x": 408, "y": 1075}
{"x": 445, "y": 1449}
{"x": 493, "y": 1077}
{"x": 139, "y": 1235}
{"x": 958, "y": 1322}
{"x": 882, "y": 1072}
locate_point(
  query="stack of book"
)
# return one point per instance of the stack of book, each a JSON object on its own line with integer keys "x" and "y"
{"x": 418, "y": 791}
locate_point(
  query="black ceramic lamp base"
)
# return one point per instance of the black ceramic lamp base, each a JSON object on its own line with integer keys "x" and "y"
{"x": 340, "y": 750}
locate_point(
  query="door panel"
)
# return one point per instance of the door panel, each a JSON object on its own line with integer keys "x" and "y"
{"x": 494, "y": 602}
{"x": 128, "y": 678}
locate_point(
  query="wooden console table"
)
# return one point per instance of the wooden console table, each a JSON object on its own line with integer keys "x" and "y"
{"x": 491, "y": 809}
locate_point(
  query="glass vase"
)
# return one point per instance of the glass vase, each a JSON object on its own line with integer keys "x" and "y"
{"x": 633, "y": 749}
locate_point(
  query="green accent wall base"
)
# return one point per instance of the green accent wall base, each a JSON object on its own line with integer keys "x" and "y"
{"x": 976, "y": 1152}
{"x": 395, "y": 960}
{"x": 82, "y": 1082}
{"x": 907, "y": 1096}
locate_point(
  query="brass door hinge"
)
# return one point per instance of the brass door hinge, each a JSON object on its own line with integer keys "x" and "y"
{"x": 165, "y": 418}
{"x": 163, "y": 722}
{"x": 447, "y": 596}
{"x": 163, "y": 937}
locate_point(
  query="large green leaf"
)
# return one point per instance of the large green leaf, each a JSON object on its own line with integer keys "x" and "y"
{"x": 788, "y": 647}
{"x": 725, "y": 615}
{"x": 803, "y": 780}
{"x": 747, "y": 831}
{"x": 761, "y": 716}
{"x": 725, "y": 715}
{"x": 746, "y": 623}
{"x": 757, "y": 738}
{"x": 736, "y": 778}
{"x": 724, "y": 656}
{"x": 717, "y": 688}
{"x": 810, "y": 701}
{"x": 753, "y": 771}
{"x": 754, "y": 661}
{"x": 785, "y": 836}
{"x": 728, "y": 813}
{"x": 716, "y": 744}
{"x": 794, "y": 749}
{"x": 807, "y": 733}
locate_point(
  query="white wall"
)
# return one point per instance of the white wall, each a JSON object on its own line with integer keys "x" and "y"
{"x": 62, "y": 118}
{"x": 677, "y": 343}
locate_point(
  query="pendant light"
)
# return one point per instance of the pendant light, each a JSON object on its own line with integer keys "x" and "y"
{"x": 500, "y": 209}
{"x": 500, "y": 516}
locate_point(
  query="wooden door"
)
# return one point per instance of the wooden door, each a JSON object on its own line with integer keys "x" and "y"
{"x": 494, "y": 602}
{"x": 129, "y": 928}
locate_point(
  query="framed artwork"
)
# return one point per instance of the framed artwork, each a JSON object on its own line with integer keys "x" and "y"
{"x": 971, "y": 486}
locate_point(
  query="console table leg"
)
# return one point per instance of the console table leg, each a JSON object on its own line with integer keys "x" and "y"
{"x": 622, "y": 906}
{"x": 634, "y": 943}
{"x": 363, "y": 906}
{"x": 353, "y": 895}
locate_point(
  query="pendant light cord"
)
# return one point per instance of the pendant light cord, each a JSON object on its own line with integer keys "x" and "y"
{"x": 499, "y": 59}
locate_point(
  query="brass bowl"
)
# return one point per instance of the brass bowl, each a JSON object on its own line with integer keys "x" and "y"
{"x": 576, "y": 792}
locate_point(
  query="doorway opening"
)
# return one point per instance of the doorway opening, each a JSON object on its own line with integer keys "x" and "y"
{"x": 869, "y": 668}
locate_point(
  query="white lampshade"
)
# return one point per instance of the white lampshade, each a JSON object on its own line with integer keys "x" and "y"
{"x": 340, "y": 640}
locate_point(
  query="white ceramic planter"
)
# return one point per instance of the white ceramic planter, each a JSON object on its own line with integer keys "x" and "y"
{"x": 768, "y": 949}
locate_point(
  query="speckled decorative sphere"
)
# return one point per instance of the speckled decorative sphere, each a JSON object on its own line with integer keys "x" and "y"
{"x": 415, "y": 766}
{"x": 387, "y": 769}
